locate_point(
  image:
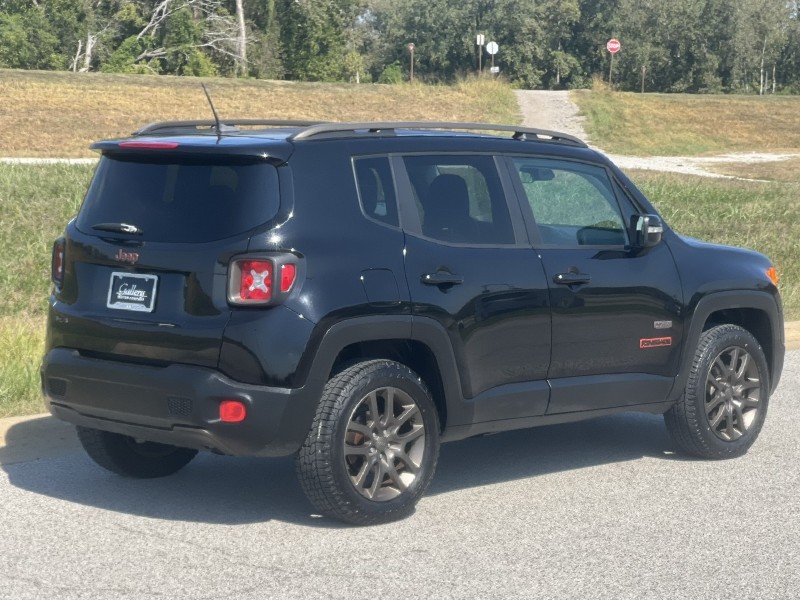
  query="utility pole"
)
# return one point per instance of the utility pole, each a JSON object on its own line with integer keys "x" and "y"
{"x": 411, "y": 49}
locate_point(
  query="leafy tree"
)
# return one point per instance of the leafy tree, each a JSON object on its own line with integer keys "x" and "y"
{"x": 313, "y": 37}
{"x": 26, "y": 41}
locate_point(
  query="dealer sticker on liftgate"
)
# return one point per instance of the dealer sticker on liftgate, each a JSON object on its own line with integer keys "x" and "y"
{"x": 132, "y": 291}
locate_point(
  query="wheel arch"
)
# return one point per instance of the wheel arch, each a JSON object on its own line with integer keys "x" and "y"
{"x": 420, "y": 344}
{"x": 757, "y": 312}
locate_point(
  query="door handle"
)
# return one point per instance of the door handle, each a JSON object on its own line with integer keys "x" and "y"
{"x": 441, "y": 278}
{"x": 572, "y": 278}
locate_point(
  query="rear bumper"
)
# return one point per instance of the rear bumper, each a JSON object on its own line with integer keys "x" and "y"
{"x": 176, "y": 404}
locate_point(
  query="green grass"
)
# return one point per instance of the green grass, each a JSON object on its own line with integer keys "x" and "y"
{"x": 686, "y": 124}
{"x": 761, "y": 216}
{"x": 35, "y": 204}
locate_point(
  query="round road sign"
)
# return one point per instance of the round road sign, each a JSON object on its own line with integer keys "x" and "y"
{"x": 613, "y": 45}
{"x": 492, "y": 48}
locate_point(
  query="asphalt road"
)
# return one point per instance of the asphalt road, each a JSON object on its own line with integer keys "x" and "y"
{"x": 599, "y": 509}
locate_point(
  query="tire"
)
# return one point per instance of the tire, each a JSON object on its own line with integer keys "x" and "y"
{"x": 128, "y": 457}
{"x": 725, "y": 402}
{"x": 372, "y": 449}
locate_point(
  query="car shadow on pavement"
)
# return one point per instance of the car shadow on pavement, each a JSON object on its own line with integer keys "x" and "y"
{"x": 225, "y": 490}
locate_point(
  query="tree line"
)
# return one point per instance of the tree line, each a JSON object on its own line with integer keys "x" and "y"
{"x": 739, "y": 46}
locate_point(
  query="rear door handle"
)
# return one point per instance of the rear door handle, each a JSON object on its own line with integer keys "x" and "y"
{"x": 572, "y": 278}
{"x": 441, "y": 278}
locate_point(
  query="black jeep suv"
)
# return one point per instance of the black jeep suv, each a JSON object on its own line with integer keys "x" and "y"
{"x": 357, "y": 293}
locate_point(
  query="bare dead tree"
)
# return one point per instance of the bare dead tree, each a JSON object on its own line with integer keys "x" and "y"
{"x": 241, "y": 42}
{"x": 222, "y": 33}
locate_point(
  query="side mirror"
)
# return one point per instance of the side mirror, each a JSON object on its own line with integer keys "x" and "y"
{"x": 646, "y": 230}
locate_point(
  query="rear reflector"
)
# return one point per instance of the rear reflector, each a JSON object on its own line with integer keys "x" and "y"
{"x": 232, "y": 411}
{"x": 150, "y": 145}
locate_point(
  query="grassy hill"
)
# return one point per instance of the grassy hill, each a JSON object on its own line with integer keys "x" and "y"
{"x": 684, "y": 125}
{"x": 49, "y": 114}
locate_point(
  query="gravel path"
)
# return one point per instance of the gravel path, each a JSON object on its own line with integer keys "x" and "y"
{"x": 555, "y": 110}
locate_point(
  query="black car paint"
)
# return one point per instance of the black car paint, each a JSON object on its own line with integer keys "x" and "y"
{"x": 510, "y": 347}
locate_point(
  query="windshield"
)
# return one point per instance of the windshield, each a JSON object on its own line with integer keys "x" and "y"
{"x": 186, "y": 199}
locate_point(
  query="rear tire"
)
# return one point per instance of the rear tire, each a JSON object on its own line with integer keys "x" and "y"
{"x": 725, "y": 402}
{"x": 128, "y": 457}
{"x": 372, "y": 449}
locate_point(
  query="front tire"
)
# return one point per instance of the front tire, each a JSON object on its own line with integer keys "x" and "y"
{"x": 123, "y": 455}
{"x": 372, "y": 449}
{"x": 725, "y": 402}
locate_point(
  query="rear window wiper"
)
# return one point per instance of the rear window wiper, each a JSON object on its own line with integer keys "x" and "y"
{"x": 119, "y": 228}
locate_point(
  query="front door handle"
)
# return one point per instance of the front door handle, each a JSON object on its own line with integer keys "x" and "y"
{"x": 441, "y": 278}
{"x": 572, "y": 278}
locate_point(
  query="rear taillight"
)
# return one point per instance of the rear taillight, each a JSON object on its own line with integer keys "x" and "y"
{"x": 258, "y": 280}
{"x": 57, "y": 264}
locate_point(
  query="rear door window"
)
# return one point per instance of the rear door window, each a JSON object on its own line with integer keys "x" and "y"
{"x": 460, "y": 199}
{"x": 187, "y": 199}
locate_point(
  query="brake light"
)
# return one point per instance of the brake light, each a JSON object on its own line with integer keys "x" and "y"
{"x": 57, "y": 264}
{"x": 150, "y": 145}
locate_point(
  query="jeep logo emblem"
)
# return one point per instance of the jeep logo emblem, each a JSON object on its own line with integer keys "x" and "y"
{"x": 127, "y": 257}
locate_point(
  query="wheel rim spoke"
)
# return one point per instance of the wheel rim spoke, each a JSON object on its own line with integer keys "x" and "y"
{"x": 714, "y": 403}
{"x": 416, "y": 432}
{"x": 745, "y": 362}
{"x": 359, "y": 428}
{"x": 372, "y": 404}
{"x": 384, "y": 444}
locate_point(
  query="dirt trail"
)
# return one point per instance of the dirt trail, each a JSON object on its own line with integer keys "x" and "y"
{"x": 555, "y": 110}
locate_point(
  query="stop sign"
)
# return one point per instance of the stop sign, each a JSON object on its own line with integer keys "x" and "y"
{"x": 613, "y": 45}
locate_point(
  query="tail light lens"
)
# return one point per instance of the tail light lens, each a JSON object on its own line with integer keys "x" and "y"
{"x": 261, "y": 280}
{"x": 256, "y": 280}
{"x": 288, "y": 275}
{"x": 57, "y": 264}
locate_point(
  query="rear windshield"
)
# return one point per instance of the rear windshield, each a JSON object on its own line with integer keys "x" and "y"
{"x": 187, "y": 199}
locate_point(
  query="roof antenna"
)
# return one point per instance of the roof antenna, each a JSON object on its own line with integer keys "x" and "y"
{"x": 213, "y": 110}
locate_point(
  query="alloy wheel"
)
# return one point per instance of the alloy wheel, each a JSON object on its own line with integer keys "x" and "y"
{"x": 733, "y": 390}
{"x": 384, "y": 444}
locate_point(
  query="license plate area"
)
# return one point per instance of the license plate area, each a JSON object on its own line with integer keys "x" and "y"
{"x": 132, "y": 291}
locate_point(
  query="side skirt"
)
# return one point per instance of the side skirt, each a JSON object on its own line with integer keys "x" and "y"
{"x": 460, "y": 432}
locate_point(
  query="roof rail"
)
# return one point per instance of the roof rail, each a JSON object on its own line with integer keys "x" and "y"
{"x": 228, "y": 125}
{"x": 520, "y": 133}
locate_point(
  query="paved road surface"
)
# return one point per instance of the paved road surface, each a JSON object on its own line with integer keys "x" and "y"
{"x": 599, "y": 509}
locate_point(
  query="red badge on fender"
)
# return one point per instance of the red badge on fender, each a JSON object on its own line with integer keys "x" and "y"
{"x": 655, "y": 342}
